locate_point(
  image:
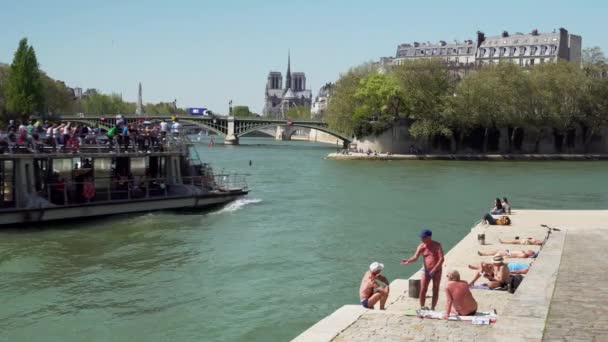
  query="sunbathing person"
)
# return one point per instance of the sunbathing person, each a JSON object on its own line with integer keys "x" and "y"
{"x": 511, "y": 254}
{"x": 499, "y": 276}
{"x": 526, "y": 241}
{"x": 485, "y": 270}
{"x": 501, "y": 221}
{"x": 514, "y": 267}
{"x": 459, "y": 296}
{"x": 497, "y": 209}
{"x": 370, "y": 291}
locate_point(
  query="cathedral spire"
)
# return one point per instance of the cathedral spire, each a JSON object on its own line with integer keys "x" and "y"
{"x": 288, "y": 75}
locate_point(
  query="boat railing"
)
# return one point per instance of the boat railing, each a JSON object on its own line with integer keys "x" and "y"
{"x": 171, "y": 142}
{"x": 230, "y": 181}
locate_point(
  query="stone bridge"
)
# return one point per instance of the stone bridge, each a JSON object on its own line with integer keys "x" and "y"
{"x": 229, "y": 127}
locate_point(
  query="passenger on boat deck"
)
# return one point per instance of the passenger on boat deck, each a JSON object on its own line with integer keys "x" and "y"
{"x": 370, "y": 292}
{"x": 497, "y": 209}
{"x": 499, "y": 277}
{"x": 506, "y": 206}
{"x": 458, "y": 296}
{"x": 432, "y": 262}
{"x": 514, "y": 267}
{"x": 501, "y": 221}
{"x": 518, "y": 241}
{"x": 511, "y": 254}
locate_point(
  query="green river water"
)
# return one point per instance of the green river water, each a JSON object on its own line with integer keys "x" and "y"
{"x": 268, "y": 266}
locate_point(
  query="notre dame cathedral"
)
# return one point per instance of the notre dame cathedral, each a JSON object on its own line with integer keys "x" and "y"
{"x": 279, "y": 99}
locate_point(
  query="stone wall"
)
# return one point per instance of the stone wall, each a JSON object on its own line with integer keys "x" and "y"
{"x": 397, "y": 140}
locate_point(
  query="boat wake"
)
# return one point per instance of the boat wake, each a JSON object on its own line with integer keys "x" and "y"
{"x": 238, "y": 204}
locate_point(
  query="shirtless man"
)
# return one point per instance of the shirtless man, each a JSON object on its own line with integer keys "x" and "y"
{"x": 526, "y": 241}
{"x": 485, "y": 270}
{"x": 511, "y": 254}
{"x": 459, "y": 296}
{"x": 370, "y": 291}
{"x": 432, "y": 261}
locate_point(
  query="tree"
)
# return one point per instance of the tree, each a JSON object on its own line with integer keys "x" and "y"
{"x": 379, "y": 100}
{"x": 3, "y": 80}
{"x": 342, "y": 103}
{"x": 241, "y": 112}
{"x": 594, "y": 108}
{"x": 24, "y": 90}
{"x": 57, "y": 97}
{"x": 298, "y": 113}
{"x": 593, "y": 55}
{"x": 427, "y": 86}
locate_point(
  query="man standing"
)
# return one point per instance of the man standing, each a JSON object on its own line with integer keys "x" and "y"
{"x": 459, "y": 296}
{"x": 432, "y": 262}
{"x": 370, "y": 291}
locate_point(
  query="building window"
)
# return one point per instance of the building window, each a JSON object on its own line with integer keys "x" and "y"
{"x": 502, "y": 51}
{"x": 435, "y": 51}
{"x": 532, "y": 61}
{"x": 442, "y": 51}
{"x": 543, "y": 50}
{"x": 533, "y": 50}
{"x": 469, "y": 50}
{"x": 542, "y": 61}
{"x": 553, "y": 49}
{"x": 512, "y": 51}
{"x": 522, "y": 50}
{"x": 492, "y": 52}
{"x": 521, "y": 62}
{"x": 427, "y": 52}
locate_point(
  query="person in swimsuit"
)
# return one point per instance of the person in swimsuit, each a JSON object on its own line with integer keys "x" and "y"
{"x": 370, "y": 291}
{"x": 501, "y": 221}
{"x": 514, "y": 268}
{"x": 459, "y": 296}
{"x": 432, "y": 253}
{"x": 485, "y": 270}
{"x": 511, "y": 254}
{"x": 526, "y": 241}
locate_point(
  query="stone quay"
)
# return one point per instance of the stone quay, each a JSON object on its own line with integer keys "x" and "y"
{"x": 561, "y": 298}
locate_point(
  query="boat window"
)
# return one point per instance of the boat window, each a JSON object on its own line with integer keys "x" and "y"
{"x": 7, "y": 183}
{"x": 63, "y": 167}
{"x": 103, "y": 172}
{"x": 138, "y": 166}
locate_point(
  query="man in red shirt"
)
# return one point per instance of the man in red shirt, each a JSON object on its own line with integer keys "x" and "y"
{"x": 432, "y": 262}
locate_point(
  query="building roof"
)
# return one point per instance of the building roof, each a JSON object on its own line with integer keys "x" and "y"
{"x": 289, "y": 95}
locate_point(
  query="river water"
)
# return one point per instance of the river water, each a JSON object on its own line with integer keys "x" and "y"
{"x": 266, "y": 267}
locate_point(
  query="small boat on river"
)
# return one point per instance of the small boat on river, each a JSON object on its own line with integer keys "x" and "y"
{"x": 42, "y": 182}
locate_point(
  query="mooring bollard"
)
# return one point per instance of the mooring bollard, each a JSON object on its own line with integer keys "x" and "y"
{"x": 414, "y": 290}
{"x": 481, "y": 238}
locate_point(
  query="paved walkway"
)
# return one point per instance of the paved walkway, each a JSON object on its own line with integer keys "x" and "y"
{"x": 579, "y": 308}
{"x": 574, "y": 290}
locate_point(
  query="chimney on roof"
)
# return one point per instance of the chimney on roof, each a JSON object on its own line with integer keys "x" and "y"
{"x": 480, "y": 38}
{"x": 416, "y": 44}
{"x": 505, "y": 34}
{"x": 442, "y": 42}
{"x": 534, "y": 32}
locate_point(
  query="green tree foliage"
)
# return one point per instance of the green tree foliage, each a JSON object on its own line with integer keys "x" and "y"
{"x": 24, "y": 89}
{"x": 241, "y": 112}
{"x": 342, "y": 102}
{"x": 543, "y": 99}
{"x": 3, "y": 80}
{"x": 426, "y": 86}
{"x": 98, "y": 103}
{"x": 58, "y": 99}
{"x": 298, "y": 113}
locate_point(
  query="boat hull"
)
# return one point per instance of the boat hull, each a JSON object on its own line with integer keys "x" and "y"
{"x": 48, "y": 214}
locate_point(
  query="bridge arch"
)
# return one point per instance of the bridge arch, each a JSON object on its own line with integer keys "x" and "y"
{"x": 203, "y": 124}
{"x": 303, "y": 125}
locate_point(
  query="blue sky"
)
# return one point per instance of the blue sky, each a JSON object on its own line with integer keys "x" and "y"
{"x": 204, "y": 53}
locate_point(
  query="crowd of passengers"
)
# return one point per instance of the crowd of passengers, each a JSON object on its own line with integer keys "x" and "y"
{"x": 34, "y": 135}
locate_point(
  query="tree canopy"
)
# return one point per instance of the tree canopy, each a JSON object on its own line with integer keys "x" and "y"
{"x": 24, "y": 89}
{"x": 436, "y": 101}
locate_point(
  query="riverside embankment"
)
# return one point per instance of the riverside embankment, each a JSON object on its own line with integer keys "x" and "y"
{"x": 474, "y": 157}
{"x": 558, "y": 299}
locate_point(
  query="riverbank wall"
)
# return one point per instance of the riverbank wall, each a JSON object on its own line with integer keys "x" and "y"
{"x": 545, "y": 304}
{"x": 398, "y": 140}
{"x": 470, "y": 157}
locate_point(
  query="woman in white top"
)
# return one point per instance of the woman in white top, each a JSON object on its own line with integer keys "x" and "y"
{"x": 506, "y": 206}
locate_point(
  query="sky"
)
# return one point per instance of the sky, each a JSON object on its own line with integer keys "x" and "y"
{"x": 205, "y": 53}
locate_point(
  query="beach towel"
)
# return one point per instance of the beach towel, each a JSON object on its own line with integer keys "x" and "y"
{"x": 478, "y": 318}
